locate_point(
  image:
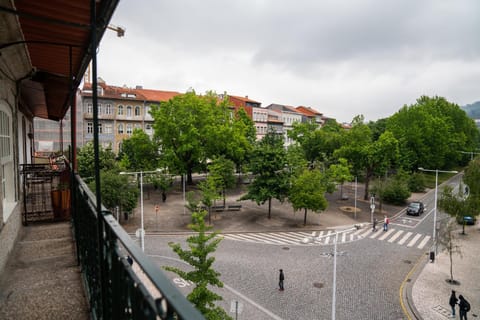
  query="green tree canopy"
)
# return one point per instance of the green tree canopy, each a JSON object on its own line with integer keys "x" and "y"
{"x": 308, "y": 192}
{"x": 139, "y": 152}
{"x": 117, "y": 191}
{"x": 268, "y": 164}
{"x": 86, "y": 160}
{"x": 192, "y": 128}
{"x": 431, "y": 133}
{"x": 373, "y": 157}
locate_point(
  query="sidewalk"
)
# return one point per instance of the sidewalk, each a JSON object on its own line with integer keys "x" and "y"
{"x": 426, "y": 293}
{"x": 431, "y": 292}
{"x": 172, "y": 217}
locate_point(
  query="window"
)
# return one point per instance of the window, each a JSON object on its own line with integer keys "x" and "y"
{"x": 108, "y": 129}
{"x": 138, "y": 126}
{"x": 129, "y": 111}
{"x": 100, "y": 127}
{"x": 108, "y": 109}
{"x": 89, "y": 108}
{"x": 120, "y": 110}
{"x": 89, "y": 127}
{"x": 120, "y": 128}
{"x": 6, "y": 161}
{"x": 148, "y": 127}
{"x": 129, "y": 129}
{"x": 100, "y": 108}
{"x": 137, "y": 111}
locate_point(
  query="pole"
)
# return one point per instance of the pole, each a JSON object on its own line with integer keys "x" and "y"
{"x": 184, "y": 178}
{"x": 355, "y": 215}
{"x": 372, "y": 207}
{"x": 435, "y": 214}
{"x": 334, "y": 276}
{"x": 142, "y": 237}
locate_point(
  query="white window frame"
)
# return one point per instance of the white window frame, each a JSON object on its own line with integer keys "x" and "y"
{"x": 7, "y": 161}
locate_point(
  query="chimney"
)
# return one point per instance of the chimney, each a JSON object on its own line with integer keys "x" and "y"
{"x": 139, "y": 87}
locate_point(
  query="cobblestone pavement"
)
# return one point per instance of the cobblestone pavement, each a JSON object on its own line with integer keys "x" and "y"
{"x": 425, "y": 291}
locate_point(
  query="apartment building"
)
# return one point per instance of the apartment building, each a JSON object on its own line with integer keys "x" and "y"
{"x": 289, "y": 116}
{"x": 120, "y": 111}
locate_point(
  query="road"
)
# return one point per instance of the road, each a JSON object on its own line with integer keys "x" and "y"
{"x": 370, "y": 266}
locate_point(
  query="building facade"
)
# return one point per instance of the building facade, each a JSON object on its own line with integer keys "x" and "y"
{"x": 120, "y": 111}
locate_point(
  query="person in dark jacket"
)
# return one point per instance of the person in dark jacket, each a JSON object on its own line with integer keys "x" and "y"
{"x": 464, "y": 307}
{"x": 453, "y": 301}
{"x": 281, "y": 277}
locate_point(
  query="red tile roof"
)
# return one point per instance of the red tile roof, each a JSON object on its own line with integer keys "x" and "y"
{"x": 136, "y": 94}
{"x": 308, "y": 111}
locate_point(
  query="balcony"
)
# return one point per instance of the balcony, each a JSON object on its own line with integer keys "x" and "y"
{"x": 81, "y": 269}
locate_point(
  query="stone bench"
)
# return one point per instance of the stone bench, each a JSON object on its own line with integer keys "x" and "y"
{"x": 218, "y": 208}
{"x": 234, "y": 207}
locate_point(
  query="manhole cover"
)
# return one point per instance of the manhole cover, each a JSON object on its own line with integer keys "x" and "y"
{"x": 409, "y": 280}
{"x": 407, "y": 261}
{"x": 286, "y": 248}
{"x": 318, "y": 285}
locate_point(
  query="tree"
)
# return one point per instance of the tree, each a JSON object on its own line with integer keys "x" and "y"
{"x": 374, "y": 157}
{"x": 192, "y": 129}
{"x": 471, "y": 178}
{"x": 86, "y": 160}
{"x": 116, "y": 191}
{"x": 209, "y": 189}
{"x": 139, "y": 152}
{"x": 268, "y": 165}
{"x": 308, "y": 192}
{"x": 163, "y": 182}
{"x": 453, "y": 204}
{"x": 232, "y": 138}
{"x": 317, "y": 144}
{"x": 221, "y": 171}
{"x": 448, "y": 239}
{"x": 201, "y": 245}
{"x": 431, "y": 132}
{"x": 340, "y": 173}
{"x": 179, "y": 125}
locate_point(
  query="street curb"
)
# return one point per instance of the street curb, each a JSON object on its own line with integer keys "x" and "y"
{"x": 405, "y": 292}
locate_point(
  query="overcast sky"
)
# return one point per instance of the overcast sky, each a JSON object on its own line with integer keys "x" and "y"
{"x": 342, "y": 58}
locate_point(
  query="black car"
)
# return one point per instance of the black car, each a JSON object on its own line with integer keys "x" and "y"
{"x": 415, "y": 208}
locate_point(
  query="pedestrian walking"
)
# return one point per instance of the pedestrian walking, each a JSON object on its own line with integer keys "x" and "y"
{"x": 374, "y": 225}
{"x": 453, "y": 301}
{"x": 386, "y": 221}
{"x": 464, "y": 307}
{"x": 281, "y": 277}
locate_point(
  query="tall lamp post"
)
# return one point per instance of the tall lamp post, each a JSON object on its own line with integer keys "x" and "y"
{"x": 142, "y": 230}
{"x": 435, "y": 203}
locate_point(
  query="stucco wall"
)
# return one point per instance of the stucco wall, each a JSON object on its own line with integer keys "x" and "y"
{"x": 9, "y": 235}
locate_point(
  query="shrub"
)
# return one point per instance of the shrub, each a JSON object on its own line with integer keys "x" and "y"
{"x": 417, "y": 182}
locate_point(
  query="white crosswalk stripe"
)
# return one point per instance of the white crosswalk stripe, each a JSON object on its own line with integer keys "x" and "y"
{"x": 394, "y": 236}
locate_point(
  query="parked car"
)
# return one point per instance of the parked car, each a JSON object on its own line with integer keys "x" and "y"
{"x": 469, "y": 220}
{"x": 415, "y": 208}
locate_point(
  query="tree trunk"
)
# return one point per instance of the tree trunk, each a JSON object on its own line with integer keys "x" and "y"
{"x": 305, "y": 218}
{"x": 269, "y": 207}
{"x": 367, "y": 184}
{"x": 451, "y": 260}
{"x": 189, "y": 176}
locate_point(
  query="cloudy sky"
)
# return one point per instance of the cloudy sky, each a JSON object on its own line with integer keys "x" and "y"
{"x": 342, "y": 58}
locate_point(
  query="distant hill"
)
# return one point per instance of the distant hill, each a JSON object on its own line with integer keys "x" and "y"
{"x": 472, "y": 110}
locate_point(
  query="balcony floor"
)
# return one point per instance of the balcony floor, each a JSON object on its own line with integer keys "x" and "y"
{"x": 42, "y": 279}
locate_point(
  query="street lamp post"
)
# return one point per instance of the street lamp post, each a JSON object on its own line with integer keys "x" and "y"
{"x": 142, "y": 229}
{"x": 435, "y": 203}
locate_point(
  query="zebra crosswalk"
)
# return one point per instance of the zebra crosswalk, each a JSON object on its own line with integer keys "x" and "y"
{"x": 394, "y": 236}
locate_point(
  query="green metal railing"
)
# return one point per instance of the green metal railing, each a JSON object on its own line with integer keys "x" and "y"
{"x": 114, "y": 290}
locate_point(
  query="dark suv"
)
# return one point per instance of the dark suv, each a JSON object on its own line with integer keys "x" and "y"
{"x": 415, "y": 208}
